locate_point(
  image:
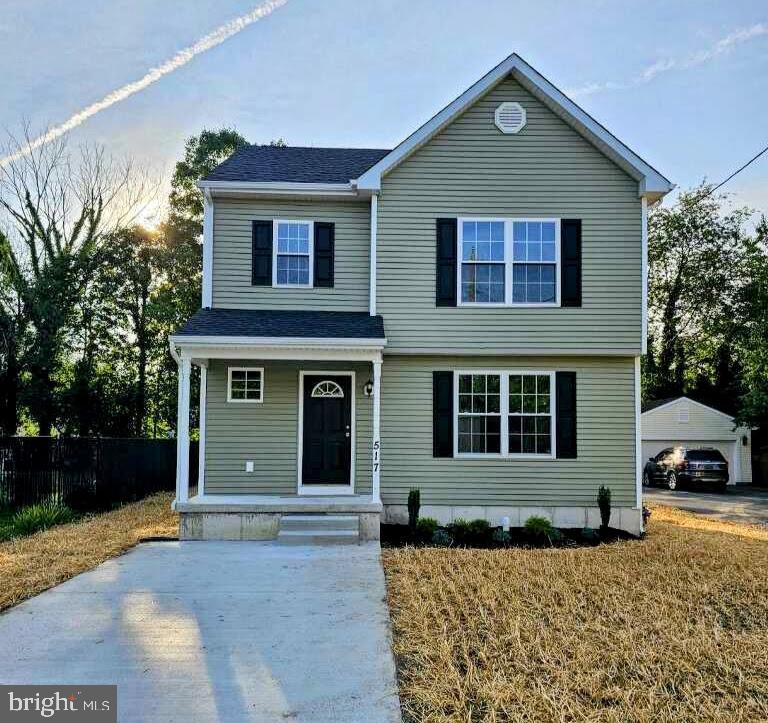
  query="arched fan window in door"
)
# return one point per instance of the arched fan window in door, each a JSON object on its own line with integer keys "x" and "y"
{"x": 327, "y": 388}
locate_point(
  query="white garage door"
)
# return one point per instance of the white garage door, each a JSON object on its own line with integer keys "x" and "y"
{"x": 652, "y": 448}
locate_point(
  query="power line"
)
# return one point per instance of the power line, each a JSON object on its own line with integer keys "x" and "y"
{"x": 735, "y": 173}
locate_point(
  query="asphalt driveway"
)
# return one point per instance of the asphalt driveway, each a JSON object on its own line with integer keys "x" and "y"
{"x": 735, "y": 505}
{"x": 217, "y": 631}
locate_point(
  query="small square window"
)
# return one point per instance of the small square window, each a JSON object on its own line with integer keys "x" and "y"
{"x": 245, "y": 384}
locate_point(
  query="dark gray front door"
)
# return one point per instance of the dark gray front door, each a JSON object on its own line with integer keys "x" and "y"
{"x": 327, "y": 433}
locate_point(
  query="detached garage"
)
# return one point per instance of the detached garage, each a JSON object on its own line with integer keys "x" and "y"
{"x": 684, "y": 422}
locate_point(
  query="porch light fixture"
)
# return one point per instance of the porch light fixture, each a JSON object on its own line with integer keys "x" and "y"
{"x": 368, "y": 388}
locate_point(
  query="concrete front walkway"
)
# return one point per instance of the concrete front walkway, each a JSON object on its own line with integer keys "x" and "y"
{"x": 217, "y": 631}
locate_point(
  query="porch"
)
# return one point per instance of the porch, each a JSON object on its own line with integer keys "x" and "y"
{"x": 289, "y": 425}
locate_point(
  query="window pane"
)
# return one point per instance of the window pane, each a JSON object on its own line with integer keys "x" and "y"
{"x": 465, "y": 383}
{"x": 469, "y": 231}
{"x": 516, "y": 384}
{"x": 482, "y": 283}
{"x": 542, "y": 384}
{"x": 548, "y": 231}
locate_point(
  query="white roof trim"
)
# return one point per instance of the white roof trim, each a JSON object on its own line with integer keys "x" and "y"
{"x": 275, "y": 188}
{"x": 690, "y": 401}
{"x": 277, "y": 341}
{"x": 651, "y": 183}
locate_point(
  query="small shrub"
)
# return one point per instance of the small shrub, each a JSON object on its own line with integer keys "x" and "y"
{"x": 40, "y": 517}
{"x": 442, "y": 538}
{"x": 470, "y": 532}
{"x": 460, "y": 531}
{"x": 426, "y": 528}
{"x": 414, "y": 504}
{"x": 501, "y": 537}
{"x": 540, "y": 528}
{"x": 604, "y": 503}
{"x": 590, "y": 535}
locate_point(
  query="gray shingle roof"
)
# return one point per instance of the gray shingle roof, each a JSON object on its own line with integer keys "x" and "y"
{"x": 653, "y": 403}
{"x": 296, "y": 164}
{"x": 278, "y": 323}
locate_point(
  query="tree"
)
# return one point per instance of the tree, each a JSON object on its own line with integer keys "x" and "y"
{"x": 693, "y": 249}
{"x": 752, "y": 339}
{"x": 127, "y": 280}
{"x": 58, "y": 209}
{"x": 202, "y": 153}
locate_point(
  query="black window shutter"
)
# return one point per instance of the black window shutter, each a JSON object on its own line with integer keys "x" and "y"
{"x": 442, "y": 414}
{"x": 325, "y": 240}
{"x": 565, "y": 384}
{"x": 570, "y": 258}
{"x": 446, "y": 262}
{"x": 261, "y": 254}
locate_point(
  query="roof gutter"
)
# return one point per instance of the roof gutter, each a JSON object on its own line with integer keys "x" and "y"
{"x": 279, "y": 188}
{"x": 277, "y": 341}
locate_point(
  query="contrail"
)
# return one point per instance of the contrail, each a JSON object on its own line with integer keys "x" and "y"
{"x": 722, "y": 46}
{"x": 181, "y": 58}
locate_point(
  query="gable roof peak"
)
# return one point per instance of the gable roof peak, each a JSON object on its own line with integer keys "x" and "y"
{"x": 651, "y": 184}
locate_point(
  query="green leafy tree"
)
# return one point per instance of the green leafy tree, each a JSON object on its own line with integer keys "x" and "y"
{"x": 58, "y": 208}
{"x": 202, "y": 153}
{"x": 696, "y": 256}
{"x": 752, "y": 337}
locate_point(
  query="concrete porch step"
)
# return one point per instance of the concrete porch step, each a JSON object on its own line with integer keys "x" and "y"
{"x": 319, "y": 528}
{"x": 318, "y": 522}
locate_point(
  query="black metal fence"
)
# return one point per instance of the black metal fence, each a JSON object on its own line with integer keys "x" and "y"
{"x": 86, "y": 473}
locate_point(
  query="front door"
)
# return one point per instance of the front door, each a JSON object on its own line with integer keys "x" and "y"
{"x": 327, "y": 430}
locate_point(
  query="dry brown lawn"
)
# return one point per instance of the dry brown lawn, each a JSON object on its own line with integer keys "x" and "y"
{"x": 32, "y": 564}
{"x": 671, "y": 628}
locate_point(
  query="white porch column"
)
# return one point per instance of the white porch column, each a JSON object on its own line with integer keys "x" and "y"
{"x": 201, "y": 448}
{"x": 182, "y": 430}
{"x": 376, "y": 462}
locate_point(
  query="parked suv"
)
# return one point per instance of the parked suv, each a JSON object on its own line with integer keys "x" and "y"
{"x": 678, "y": 466}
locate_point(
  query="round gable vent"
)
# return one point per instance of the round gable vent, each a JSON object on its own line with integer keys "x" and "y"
{"x": 510, "y": 117}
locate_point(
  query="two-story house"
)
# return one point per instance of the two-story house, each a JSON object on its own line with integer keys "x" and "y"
{"x": 463, "y": 314}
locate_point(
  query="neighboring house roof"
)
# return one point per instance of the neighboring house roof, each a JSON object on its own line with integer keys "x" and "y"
{"x": 659, "y": 403}
{"x": 361, "y": 169}
{"x": 295, "y": 164}
{"x": 279, "y": 323}
{"x": 654, "y": 403}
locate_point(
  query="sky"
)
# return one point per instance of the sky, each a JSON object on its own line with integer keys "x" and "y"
{"x": 683, "y": 83}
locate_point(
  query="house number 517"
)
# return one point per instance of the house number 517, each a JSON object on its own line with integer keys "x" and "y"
{"x": 376, "y": 448}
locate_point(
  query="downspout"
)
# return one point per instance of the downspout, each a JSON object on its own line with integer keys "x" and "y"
{"x": 374, "y": 226}
{"x": 207, "y": 295}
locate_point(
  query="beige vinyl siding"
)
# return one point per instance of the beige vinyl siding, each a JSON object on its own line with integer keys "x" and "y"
{"x": 705, "y": 427}
{"x": 546, "y": 170}
{"x": 605, "y": 432}
{"x": 232, "y": 255}
{"x": 267, "y": 433}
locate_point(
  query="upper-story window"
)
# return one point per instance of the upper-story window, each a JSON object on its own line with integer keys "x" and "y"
{"x": 293, "y": 253}
{"x": 511, "y": 261}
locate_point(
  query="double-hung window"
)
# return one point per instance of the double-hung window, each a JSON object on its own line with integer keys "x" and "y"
{"x": 504, "y": 413}
{"x": 293, "y": 253}
{"x": 509, "y": 262}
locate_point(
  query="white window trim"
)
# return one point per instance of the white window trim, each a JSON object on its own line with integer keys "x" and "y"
{"x": 229, "y": 385}
{"x": 504, "y": 413}
{"x": 508, "y": 263}
{"x": 275, "y": 223}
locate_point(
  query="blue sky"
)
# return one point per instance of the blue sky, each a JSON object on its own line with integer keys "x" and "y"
{"x": 685, "y": 84}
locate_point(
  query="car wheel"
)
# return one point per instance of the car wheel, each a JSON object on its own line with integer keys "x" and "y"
{"x": 646, "y": 479}
{"x": 672, "y": 481}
